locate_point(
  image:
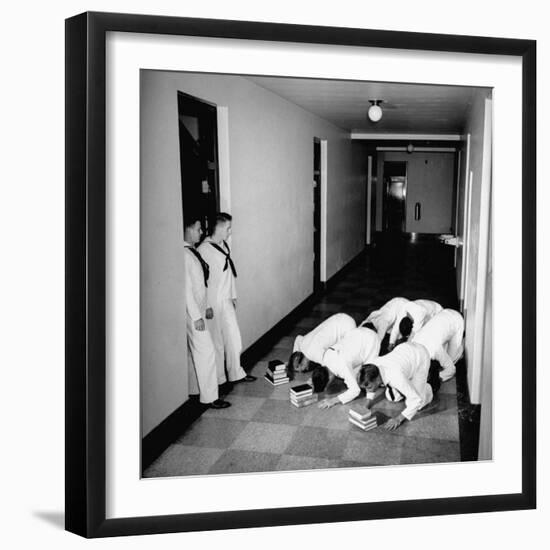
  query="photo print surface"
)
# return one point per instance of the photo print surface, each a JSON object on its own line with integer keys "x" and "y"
{"x": 315, "y": 274}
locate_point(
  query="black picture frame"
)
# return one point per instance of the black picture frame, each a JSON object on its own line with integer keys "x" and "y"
{"x": 86, "y": 273}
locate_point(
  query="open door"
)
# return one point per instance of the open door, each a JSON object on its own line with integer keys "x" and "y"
{"x": 199, "y": 157}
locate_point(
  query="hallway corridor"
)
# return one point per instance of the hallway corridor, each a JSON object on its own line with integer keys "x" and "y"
{"x": 263, "y": 431}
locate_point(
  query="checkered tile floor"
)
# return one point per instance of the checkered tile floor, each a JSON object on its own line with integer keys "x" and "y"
{"x": 262, "y": 431}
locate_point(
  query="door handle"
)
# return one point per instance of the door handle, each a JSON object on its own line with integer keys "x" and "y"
{"x": 417, "y": 211}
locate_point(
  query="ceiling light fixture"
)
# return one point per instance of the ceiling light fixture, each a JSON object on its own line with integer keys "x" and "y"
{"x": 375, "y": 111}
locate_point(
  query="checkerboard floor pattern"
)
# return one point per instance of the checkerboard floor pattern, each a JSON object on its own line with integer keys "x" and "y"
{"x": 263, "y": 431}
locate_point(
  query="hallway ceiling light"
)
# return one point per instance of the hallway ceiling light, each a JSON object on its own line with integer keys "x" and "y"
{"x": 410, "y": 148}
{"x": 375, "y": 111}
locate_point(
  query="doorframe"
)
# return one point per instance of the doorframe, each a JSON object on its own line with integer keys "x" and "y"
{"x": 224, "y": 179}
{"x": 465, "y": 228}
{"x": 317, "y": 191}
{"x": 457, "y": 199}
{"x": 324, "y": 194}
{"x": 475, "y": 373}
{"x": 368, "y": 214}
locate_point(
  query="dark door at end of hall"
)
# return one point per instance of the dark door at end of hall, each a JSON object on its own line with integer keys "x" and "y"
{"x": 395, "y": 194}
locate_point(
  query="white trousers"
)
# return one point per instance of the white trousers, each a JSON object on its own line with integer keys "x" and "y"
{"x": 382, "y": 326}
{"x": 201, "y": 354}
{"x": 227, "y": 342}
{"x": 449, "y": 354}
{"x": 419, "y": 380}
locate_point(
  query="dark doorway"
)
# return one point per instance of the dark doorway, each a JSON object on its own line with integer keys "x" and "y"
{"x": 395, "y": 193}
{"x": 198, "y": 132}
{"x": 316, "y": 214}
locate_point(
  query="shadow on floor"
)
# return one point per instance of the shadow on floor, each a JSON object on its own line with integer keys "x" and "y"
{"x": 57, "y": 519}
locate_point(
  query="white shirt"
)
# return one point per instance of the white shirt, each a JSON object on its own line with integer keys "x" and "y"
{"x": 221, "y": 284}
{"x": 195, "y": 290}
{"x": 400, "y": 369}
{"x": 439, "y": 330}
{"x": 357, "y": 347}
{"x": 420, "y": 311}
{"x": 387, "y": 314}
{"x": 314, "y": 344}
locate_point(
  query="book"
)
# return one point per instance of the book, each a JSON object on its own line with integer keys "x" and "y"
{"x": 301, "y": 389}
{"x": 365, "y": 426}
{"x": 277, "y": 382}
{"x": 300, "y": 397}
{"x": 305, "y": 402}
{"x": 276, "y": 366}
{"x": 276, "y": 375}
{"x": 360, "y": 414}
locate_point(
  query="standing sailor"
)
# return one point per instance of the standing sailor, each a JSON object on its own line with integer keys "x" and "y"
{"x": 311, "y": 348}
{"x": 222, "y": 295}
{"x": 411, "y": 318}
{"x": 357, "y": 347}
{"x": 443, "y": 337}
{"x": 202, "y": 356}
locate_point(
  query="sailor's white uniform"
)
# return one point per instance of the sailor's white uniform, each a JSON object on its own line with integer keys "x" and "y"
{"x": 443, "y": 337}
{"x": 357, "y": 347}
{"x": 384, "y": 318}
{"x": 420, "y": 311}
{"x": 224, "y": 326}
{"x": 405, "y": 369}
{"x": 315, "y": 343}
{"x": 202, "y": 356}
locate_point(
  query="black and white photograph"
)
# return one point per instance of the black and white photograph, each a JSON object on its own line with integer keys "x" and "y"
{"x": 274, "y": 275}
{"x": 315, "y": 274}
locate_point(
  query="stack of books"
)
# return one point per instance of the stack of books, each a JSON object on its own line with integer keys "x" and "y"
{"x": 362, "y": 418}
{"x": 302, "y": 395}
{"x": 276, "y": 373}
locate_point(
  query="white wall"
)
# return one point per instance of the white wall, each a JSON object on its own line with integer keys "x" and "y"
{"x": 163, "y": 346}
{"x": 270, "y": 181}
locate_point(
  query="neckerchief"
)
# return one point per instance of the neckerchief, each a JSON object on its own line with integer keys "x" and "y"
{"x": 228, "y": 260}
{"x": 204, "y": 265}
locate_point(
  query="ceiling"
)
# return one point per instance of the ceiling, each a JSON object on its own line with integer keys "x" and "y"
{"x": 411, "y": 108}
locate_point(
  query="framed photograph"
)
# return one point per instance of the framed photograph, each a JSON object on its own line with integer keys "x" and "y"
{"x": 294, "y": 255}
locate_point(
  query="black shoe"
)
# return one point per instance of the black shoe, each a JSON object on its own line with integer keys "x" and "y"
{"x": 220, "y": 404}
{"x": 247, "y": 378}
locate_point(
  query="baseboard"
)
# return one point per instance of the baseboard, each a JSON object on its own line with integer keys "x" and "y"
{"x": 158, "y": 439}
{"x": 342, "y": 272}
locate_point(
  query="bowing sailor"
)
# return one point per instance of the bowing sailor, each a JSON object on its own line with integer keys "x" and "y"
{"x": 383, "y": 319}
{"x": 411, "y": 318}
{"x": 443, "y": 337}
{"x": 358, "y": 346}
{"x": 404, "y": 373}
{"x": 308, "y": 350}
